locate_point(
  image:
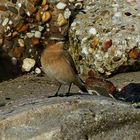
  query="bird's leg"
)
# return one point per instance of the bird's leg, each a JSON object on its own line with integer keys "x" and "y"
{"x": 68, "y": 93}
{"x": 56, "y": 94}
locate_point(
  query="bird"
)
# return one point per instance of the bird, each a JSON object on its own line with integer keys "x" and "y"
{"x": 59, "y": 66}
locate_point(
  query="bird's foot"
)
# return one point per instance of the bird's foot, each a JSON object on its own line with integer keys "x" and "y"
{"x": 68, "y": 94}
{"x": 56, "y": 95}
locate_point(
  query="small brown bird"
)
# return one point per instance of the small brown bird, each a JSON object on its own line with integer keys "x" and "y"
{"x": 58, "y": 64}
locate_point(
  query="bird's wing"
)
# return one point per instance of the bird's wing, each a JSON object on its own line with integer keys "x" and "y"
{"x": 70, "y": 60}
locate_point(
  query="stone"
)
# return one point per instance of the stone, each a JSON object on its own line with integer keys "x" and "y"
{"x": 13, "y": 9}
{"x": 28, "y": 64}
{"x": 37, "y": 34}
{"x": 38, "y": 16}
{"x": 35, "y": 41}
{"x": 37, "y": 70}
{"x": 61, "y": 5}
{"x": 21, "y": 42}
{"x": 67, "y": 13}
{"x": 30, "y": 35}
{"x": 44, "y": 2}
{"x": 14, "y": 61}
{"x": 46, "y": 16}
{"x": 3, "y": 8}
{"x": 5, "y": 22}
{"x": 92, "y": 31}
{"x": 69, "y": 118}
{"x": 61, "y": 21}
{"x": 24, "y": 28}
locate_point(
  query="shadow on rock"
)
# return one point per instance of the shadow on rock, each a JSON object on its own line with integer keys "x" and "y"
{"x": 129, "y": 93}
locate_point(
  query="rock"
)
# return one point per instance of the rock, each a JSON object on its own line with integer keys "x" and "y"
{"x": 110, "y": 32}
{"x": 46, "y": 16}
{"x": 37, "y": 34}
{"x": 100, "y": 86}
{"x": 129, "y": 93}
{"x": 5, "y": 22}
{"x": 61, "y": 5}
{"x": 69, "y": 118}
{"x": 37, "y": 70}
{"x": 28, "y": 63}
{"x": 21, "y": 42}
{"x": 61, "y": 20}
{"x": 67, "y": 13}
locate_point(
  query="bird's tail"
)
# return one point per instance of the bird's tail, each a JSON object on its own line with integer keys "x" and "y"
{"x": 80, "y": 84}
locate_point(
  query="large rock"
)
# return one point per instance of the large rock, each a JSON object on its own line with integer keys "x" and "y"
{"x": 69, "y": 118}
{"x": 26, "y": 112}
{"x": 104, "y": 36}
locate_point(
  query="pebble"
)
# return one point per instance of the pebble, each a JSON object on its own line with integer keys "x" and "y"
{"x": 24, "y": 28}
{"x": 85, "y": 51}
{"x": 21, "y": 42}
{"x": 37, "y": 70}
{"x": 67, "y": 13}
{"x": 71, "y": 0}
{"x": 40, "y": 28}
{"x": 13, "y": 9}
{"x": 35, "y": 41}
{"x": 14, "y": 60}
{"x": 37, "y": 34}
{"x": 3, "y": 8}
{"x": 10, "y": 22}
{"x": 19, "y": 5}
{"x": 28, "y": 64}
{"x": 45, "y": 7}
{"x": 61, "y": 5}
{"x": 101, "y": 70}
{"x": 46, "y": 16}
{"x": 134, "y": 53}
{"x": 107, "y": 44}
{"x": 44, "y": 2}
{"x": 61, "y": 20}
{"x": 5, "y": 22}
{"x": 29, "y": 35}
{"x": 92, "y": 31}
{"x": 38, "y": 16}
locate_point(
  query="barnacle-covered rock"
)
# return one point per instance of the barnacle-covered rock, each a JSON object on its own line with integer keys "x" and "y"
{"x": 106, "y": 35}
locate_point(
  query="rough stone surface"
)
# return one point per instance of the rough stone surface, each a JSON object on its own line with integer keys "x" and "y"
{"x": 26, "y": 112}
{"x": 73, "y": 118}
{"x": 105, "y": 36}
